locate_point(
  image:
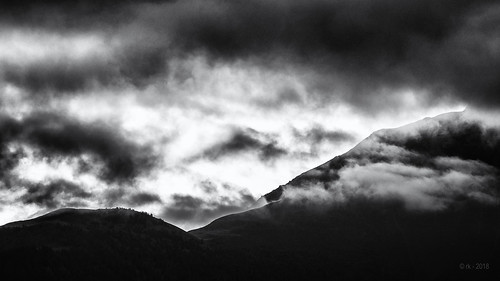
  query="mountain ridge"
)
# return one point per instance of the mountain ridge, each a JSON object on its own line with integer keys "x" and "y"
{"x": 104, "y": 244}
{"x": 328, "y": 171}
{"x": 400, "y": 205}
{"x": 389, "y": 209}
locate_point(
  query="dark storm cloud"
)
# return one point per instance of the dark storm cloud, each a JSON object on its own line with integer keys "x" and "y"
{"x": 318, "y": 134}
{"x": 186, "y": 208}
{"x": 53, "y": 194}
{"x": 58, "y": 136}
{"x": 362, "y": 52}
{"x": 8, "y": 161}
{"x": 419, "y": 144}
{"x": 124, "y": 195}
{"x": 59, "y": 76}
{"x": 106, "y": 66}
{"x": 208, "y": 186}
{"x": 144, "y": 198}
{"x": 465, "y": 140}
{"x": 65, "y": 75}
{"x": 246, "y": 141}
{"x": 9, "y": 158}
{"x": 363, "y": 48}
{"x": 112, "y": 197}
{"x": 283, "y": 97}
{"x": 64, "y": 15}
{"x": 125, "y": 60}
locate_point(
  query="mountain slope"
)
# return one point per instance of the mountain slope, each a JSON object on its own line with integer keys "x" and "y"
{"x": 411, "y": 203}
{"x": 360, "y": 241}
{"x": 106, "y": 244}
{"x": 451, "y": 141}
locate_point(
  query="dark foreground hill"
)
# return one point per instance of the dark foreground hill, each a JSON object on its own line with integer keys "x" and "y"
{"x": 360, "y": 241}
{"x": 106, "y": 244}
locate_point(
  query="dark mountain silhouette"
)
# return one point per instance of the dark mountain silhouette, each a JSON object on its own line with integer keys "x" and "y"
{"x": 106, "y": 244}
{"x": 315, "y": 228}
{"x": 418, "y": 202}
{"x": 359, "y": 241}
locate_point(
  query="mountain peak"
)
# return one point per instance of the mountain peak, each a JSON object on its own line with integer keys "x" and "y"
{"x": 103, "y": 244}
{"x": 87, "y": 218}
{"x": 437, "y": 149}
{"x": 391, "y": 208}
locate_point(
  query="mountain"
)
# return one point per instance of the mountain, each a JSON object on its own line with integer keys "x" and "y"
{"x": 105, "y": 244}
{"x": 419, "y": 202}
{"x": 411, "y": 203}
{"x": 452, "y": 141}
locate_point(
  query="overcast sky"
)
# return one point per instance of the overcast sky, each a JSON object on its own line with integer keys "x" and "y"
{"x": 193, "y": 109}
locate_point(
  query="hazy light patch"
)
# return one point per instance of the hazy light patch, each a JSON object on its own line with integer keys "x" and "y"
{"x": 172, "y": 181}
{"x": 488, "y": 117}
{"x": 238, "y": 92}
{"x": 13, "y": 100}
{"x": 247, "y": 171}
{"x": 27, "y": 46}
{"x": 34, "y": 170}
{"x": 14, "y": 212}
{"x": 418, "y": 188}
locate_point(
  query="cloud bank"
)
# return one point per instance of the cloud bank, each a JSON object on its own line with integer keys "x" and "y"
{"x": 57, "y": 136}
{"x": 366, "y": 53}
{"x": 433, "y": 164}
{"x": 190, "y": 211}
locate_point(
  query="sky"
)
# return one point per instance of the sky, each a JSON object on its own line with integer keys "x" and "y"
{"x": 193, "y": 109}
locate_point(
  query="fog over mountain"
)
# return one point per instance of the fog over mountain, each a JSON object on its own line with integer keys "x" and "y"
{"x": 433, "y": 164}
